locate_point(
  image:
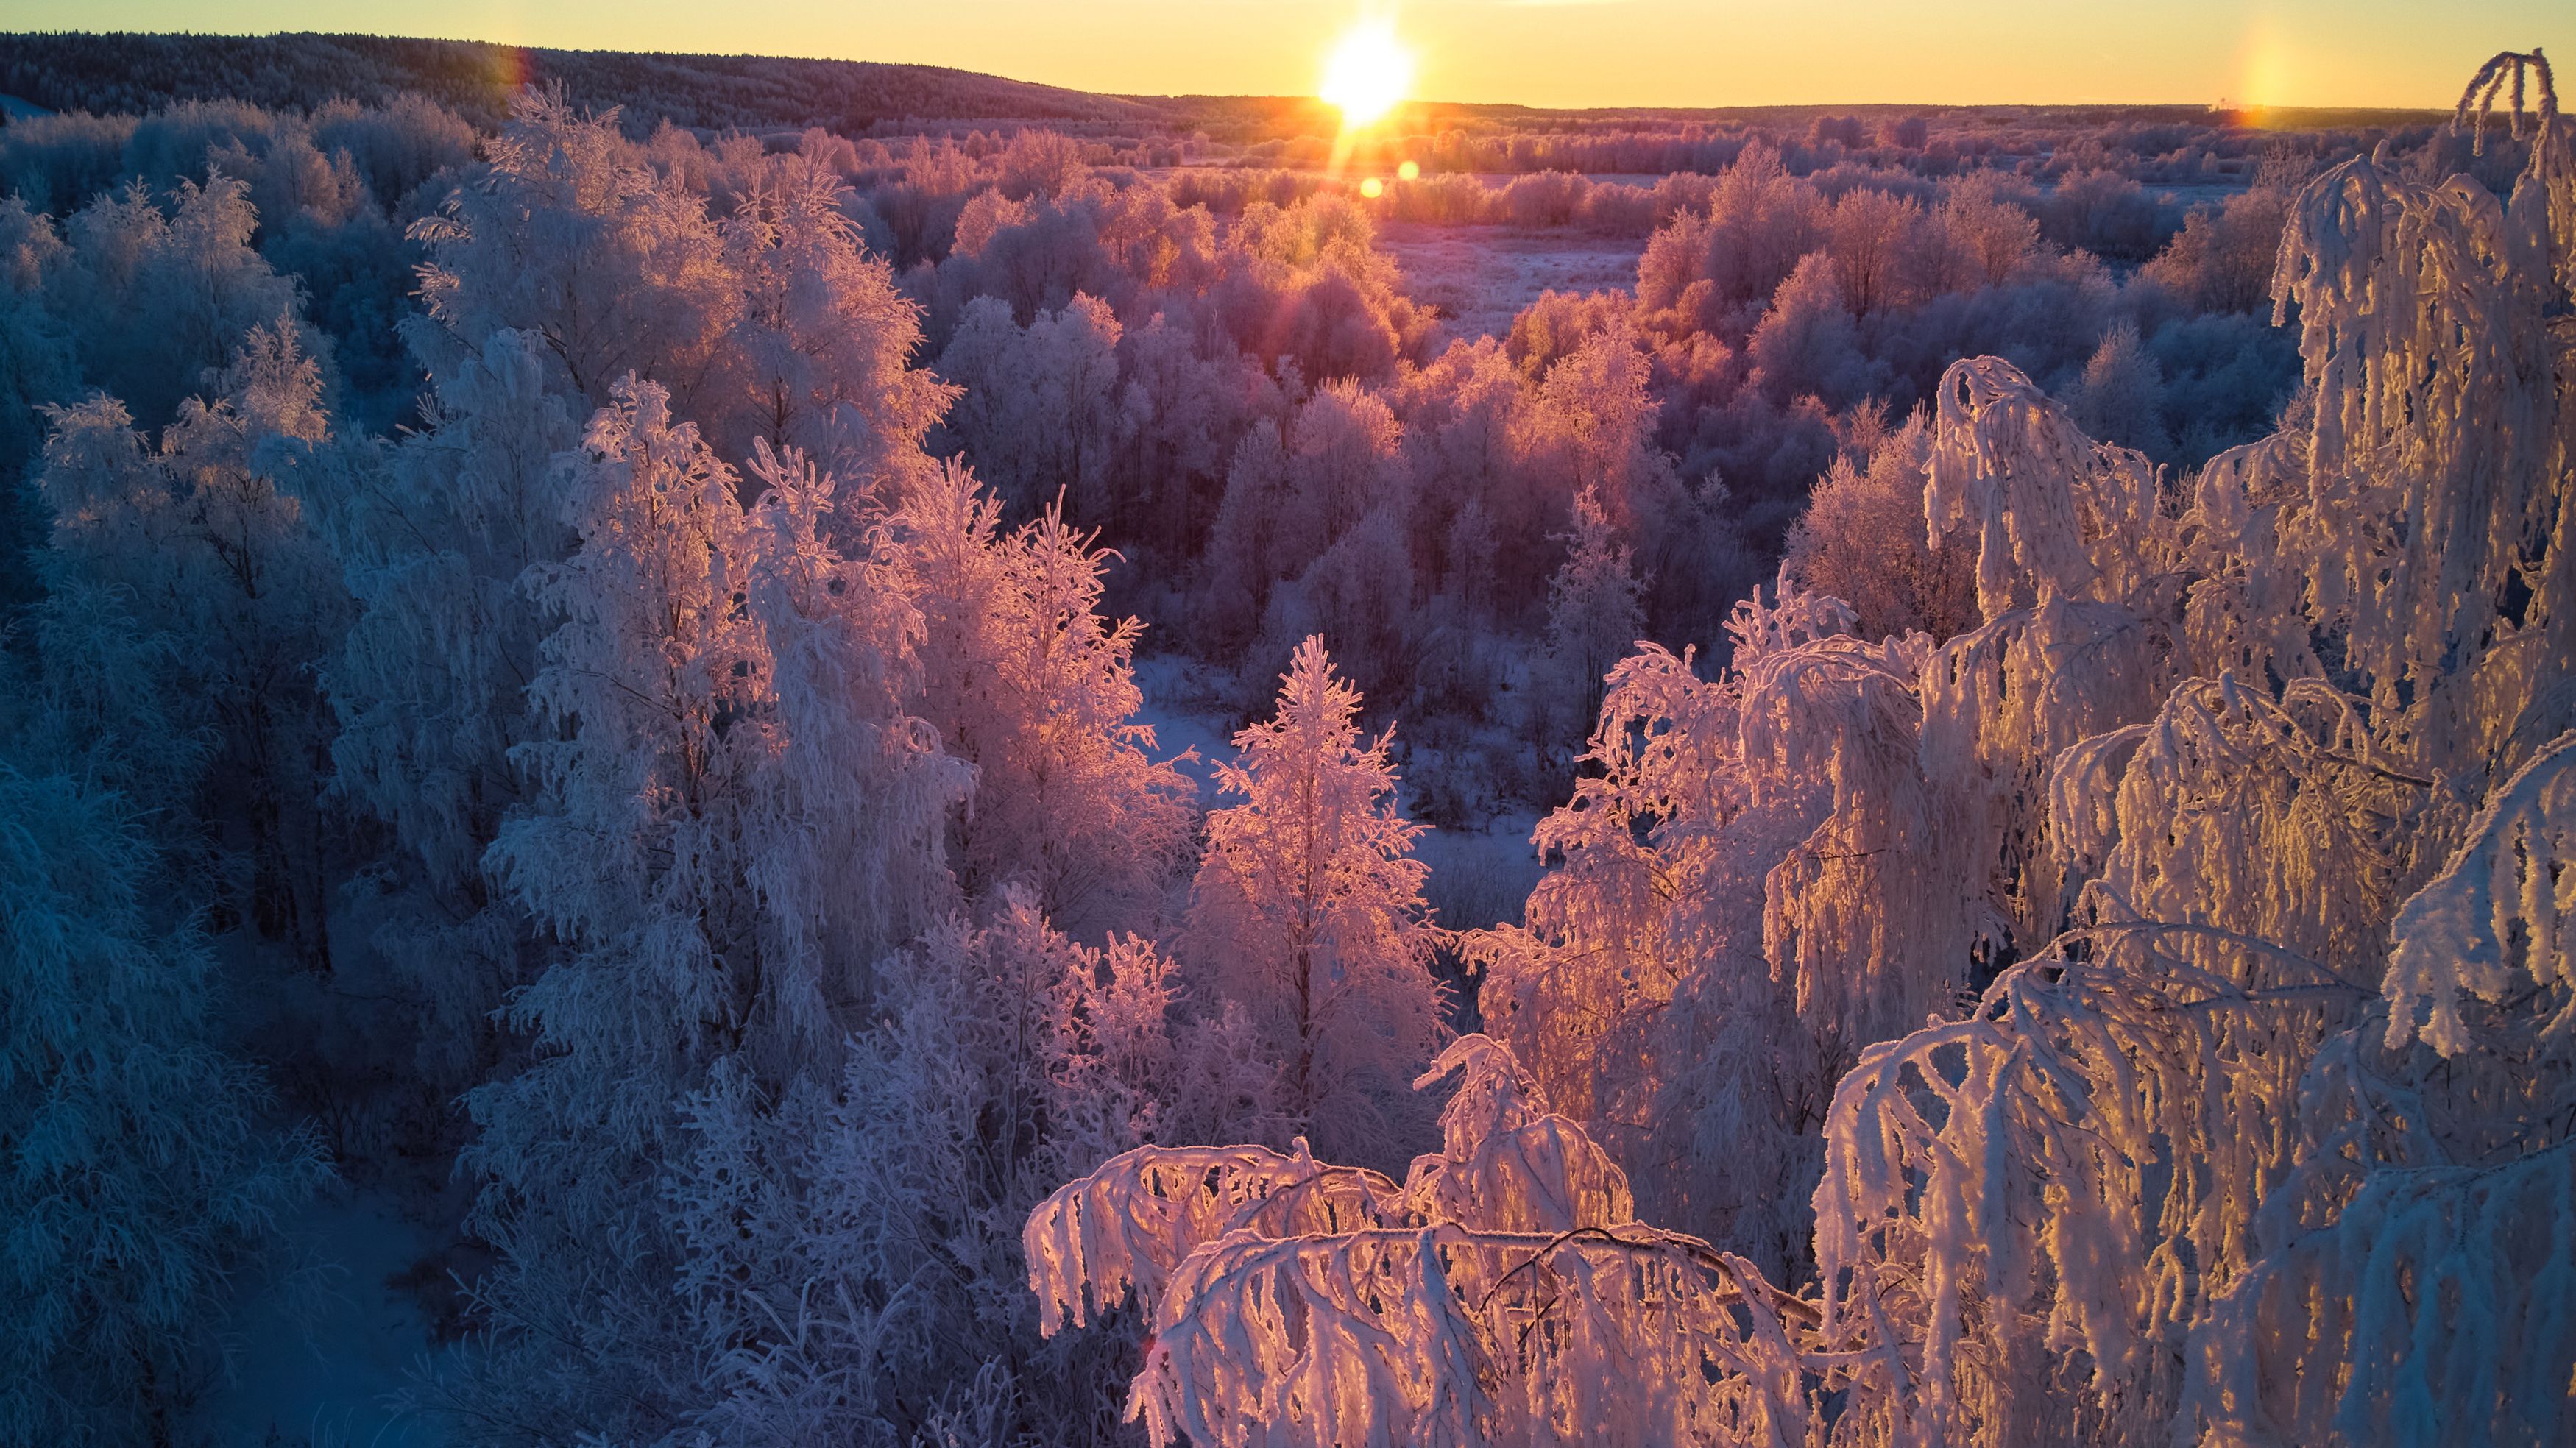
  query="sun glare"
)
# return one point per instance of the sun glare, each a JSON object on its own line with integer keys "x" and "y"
{"x": 1367, "y": 74}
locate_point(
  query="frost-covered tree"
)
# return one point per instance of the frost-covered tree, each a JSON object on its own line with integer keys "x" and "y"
{"x": 819, "y": 356}
{"x": 138, "y": 1170}
{"x": 1041, "y": 412}
{"x": 1753, "y": 880}
{"x": 1184, "y": 403}
{"x": 733, "y": 818}
{"x": 2167, "y": 1033}
{"x": 851, "y": 1254}
{"x": 160, "y": 300}
{"x": 1501, "y": 1293}
{"x": 2121, "y": 396}
{"x": 2298, "y": 1183}
{"x": 1468, "y": 438}
{"x": 768, "y": 324}
{"x": 567, "y": 233}
{"x": 1806, "y": 342}
{"x": 2223, "y": 259}
{"x": 568, "y": 254}
{"x": 37, "y": 367}
{"x": 1253, "y": 540}
{"x": 1862, "y": 540}
{"x": 1592, "y": 615}
{"x": 1332, "y": 480}
{"x": 1308, "y": 912}
{"x": 1869, "y": 235}
{"x": 1026, "y": 681}
{"x": 1994, "y": 236}
{"x": 2211, "y": 1121}
{"x": 428, "y": 686}
{"x": 205, "y": 541}
{"x": 1594, "y": 416}
{"x": 2436, "y": 1240}
{"x": 1362, "y": 591}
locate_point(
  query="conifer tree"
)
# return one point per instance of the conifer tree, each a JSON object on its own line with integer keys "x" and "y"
{"x": 1308, "y": 910}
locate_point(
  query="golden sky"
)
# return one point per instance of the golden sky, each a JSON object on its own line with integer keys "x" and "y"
{"x": 1536, "y": 52}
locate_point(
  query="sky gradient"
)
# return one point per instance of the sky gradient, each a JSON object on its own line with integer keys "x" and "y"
{"x": 1535, "y": 52}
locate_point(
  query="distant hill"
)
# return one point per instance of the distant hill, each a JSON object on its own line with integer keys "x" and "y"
{"x": 137, "y": 73}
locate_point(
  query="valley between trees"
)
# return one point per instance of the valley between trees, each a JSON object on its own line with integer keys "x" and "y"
{"x": 1933, "y": 804}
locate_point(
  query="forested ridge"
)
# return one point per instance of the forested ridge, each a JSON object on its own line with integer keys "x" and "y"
{"x": 140, "y": 72}
{"x": 611, "y": 679}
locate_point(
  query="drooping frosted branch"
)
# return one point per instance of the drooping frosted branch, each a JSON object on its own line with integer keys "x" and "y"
{"x": 2058, "y": 515}
{"x": 1505, "y": 1296}
{"x": 1134, "y": 1221}
{"x": 1439, "y": 1335}
{"x": 2496, "y": 920}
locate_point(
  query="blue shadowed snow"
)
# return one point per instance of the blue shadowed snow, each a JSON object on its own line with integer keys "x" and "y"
{"x": 318, "y": 1355}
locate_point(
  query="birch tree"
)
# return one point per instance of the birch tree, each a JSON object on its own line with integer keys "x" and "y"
{"x": 1501, "y": 1293}
{"x": 733, "y": 820}
{"x": 1029, "y": 683}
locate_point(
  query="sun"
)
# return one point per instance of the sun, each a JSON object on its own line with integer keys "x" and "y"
{"x": 1367, "y": 73}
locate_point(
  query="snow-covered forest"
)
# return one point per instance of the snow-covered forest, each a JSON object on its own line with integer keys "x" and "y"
{"x": 1026, "y": 784}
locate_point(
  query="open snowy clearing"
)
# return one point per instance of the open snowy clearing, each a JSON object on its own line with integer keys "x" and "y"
{"x": 1483, "y": 276}
{"x": 320, "y": 1352}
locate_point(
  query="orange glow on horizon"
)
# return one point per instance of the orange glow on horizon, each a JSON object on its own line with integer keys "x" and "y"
{"x": 1640, "y": 53}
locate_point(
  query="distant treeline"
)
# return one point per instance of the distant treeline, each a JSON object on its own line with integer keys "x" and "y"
{"x": 137, "y": 73}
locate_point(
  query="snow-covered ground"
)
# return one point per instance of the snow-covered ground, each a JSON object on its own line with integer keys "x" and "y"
{"x": 1483, "y": 276}
{"x": 320, "y": 1348}
{"x": 1182, "y": 705}
{"x": 1480, "y": 876}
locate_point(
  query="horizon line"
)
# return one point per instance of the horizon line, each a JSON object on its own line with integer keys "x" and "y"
{"x": 2221, "y": 106}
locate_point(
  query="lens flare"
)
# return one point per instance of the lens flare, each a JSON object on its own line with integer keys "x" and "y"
{"x": 1367, "y": 74}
